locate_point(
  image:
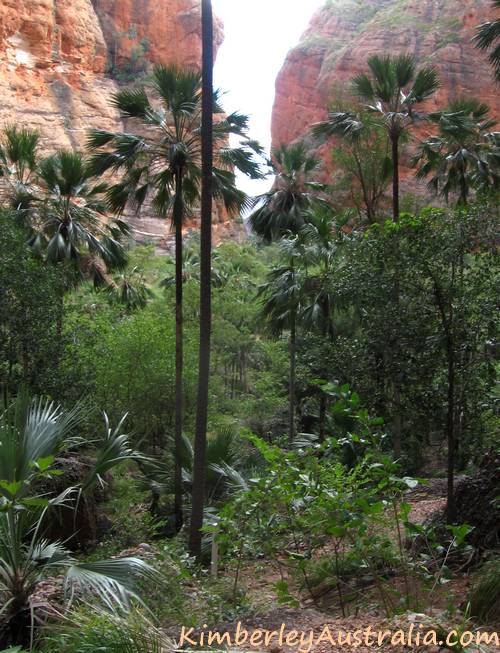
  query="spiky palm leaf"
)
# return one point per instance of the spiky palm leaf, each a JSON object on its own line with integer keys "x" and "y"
{"x": 392, "y": 88}
{"x": 282, "y": 294}
{"x": 18, "y": 162}
{"x": 488, "y": 40}
{"x": 71, "y": 214}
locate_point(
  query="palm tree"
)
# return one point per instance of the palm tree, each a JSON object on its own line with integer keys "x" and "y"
{"x": 464, "y": 155}
{"x": 207, "y": 163}
{"x": 363, "y": 155}
{"x": 222, "y": 461}
{"x": 32, "y": 434}
{"x": 162, "y": 163}
{"x": 282, "y": 295}
{"x": 322, "y": 240}
{"x": 393, "y": 88}
{"x": 18, "y": 164}
{"x": 68, "y": 219}
{"x": 283, "y": 209}
{"x": 63, "y": 210}
{"x": 488, "y": 39}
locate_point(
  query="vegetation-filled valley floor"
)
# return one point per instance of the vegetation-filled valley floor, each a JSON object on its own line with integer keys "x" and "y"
{"x": 302, "y": 428}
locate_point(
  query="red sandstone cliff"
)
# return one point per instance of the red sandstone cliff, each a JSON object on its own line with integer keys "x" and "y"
{"x": 344, "y": 33}
{"x": 59, "y": 61}
{"x": 54, "y": 55}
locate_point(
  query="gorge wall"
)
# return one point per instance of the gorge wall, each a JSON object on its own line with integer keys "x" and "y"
{"x": 344, "y": 33}
{"x": 60, "y": 58}
{"x": 61, "y": 61}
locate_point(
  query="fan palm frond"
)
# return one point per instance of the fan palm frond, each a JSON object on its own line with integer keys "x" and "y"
{"x": 488, "y": 40}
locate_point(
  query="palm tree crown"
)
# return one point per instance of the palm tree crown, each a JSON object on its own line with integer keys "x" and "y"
{"x": 70, "y": 218}
{"x": 392, "y": 88}
{"x": 163, "y": 162}
{"x": 283, "y": 209}
{"x": 63, "y": 210}
{"x": 465, "y": 154}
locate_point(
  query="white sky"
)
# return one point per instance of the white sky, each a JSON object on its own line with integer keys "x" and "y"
{"x": 258, "y": 35}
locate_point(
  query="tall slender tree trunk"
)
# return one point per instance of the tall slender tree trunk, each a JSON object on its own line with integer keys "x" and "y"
{"x": 395, "y": 178}
{"x": 200, "y": 438}
{"x": 179, "y": 355}
{"x": 327, "y": 332}
{"x": 450, "y": 433}
{"x": 447, "y": 323}
{"x": 291, "y": 384}
{"x": 397, "y": 425}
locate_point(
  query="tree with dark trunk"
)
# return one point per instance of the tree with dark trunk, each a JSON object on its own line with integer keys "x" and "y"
{"x": 200, "y": 436}
{"x": 282, "y": 295}
{"x": 392, "y": 89}
{"x": 163, "y": 163}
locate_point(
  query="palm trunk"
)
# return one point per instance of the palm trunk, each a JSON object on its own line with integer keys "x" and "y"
{"x": 395, "y": 216}
{"x": 395, "y": 178}
{"x": 447, "y": 324}
{"x": 291, "y": 384}
{"x": 200, "y": 438}
{"x": 327, "y": 331}
{"x": 463, "y": 191}
{"x": 450, "y": 433}
{"x": 179, "y": 328}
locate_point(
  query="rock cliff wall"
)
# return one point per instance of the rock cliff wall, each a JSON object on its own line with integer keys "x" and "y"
{"x": 344, "y": 33}
{"x": 60, "y": 61}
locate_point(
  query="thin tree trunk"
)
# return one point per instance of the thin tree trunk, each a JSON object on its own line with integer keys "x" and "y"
{"x": 291, "y": 384}
{"x": 450, "y": 431}
{"x": 368, "y": 205}
{"x": 395, "y": 215}
{"x": 398, "y": 427}
{"x": 200, "y": 438}
{"x": 447, "y": 322}
{"x": 395, "y": 178}
{"x": 179, "y": 327}
{"x": 327, "y": 330}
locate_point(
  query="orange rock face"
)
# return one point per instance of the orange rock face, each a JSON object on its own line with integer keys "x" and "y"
{"x": 56, "y": 57}
{"x": 344, "y": 33}
{"x": 55, "y": 54}
{"x": 162, "y": 32}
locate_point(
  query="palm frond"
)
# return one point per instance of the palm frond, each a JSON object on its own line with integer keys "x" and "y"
{"x": 115, "y": 449}
{"x": 113, "y": 582}
{"x": 132, "y": 103}
{"x": 363, "y": 87}
{"x": 426, "y": 84}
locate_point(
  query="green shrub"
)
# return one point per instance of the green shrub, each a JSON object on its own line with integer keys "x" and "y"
{"x": 484, "y": 596}
{"x": 106, "y": 633}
